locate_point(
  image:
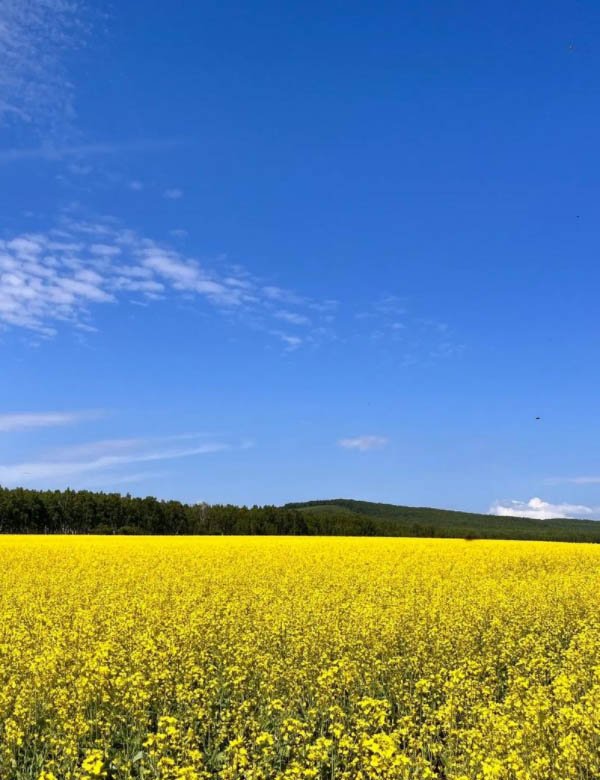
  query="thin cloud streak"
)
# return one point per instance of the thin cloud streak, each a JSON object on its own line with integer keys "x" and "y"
{"x": 23, "y": 421}
{"x": 110, "y": 481}
{"x": 57, "y": 153}
{"x": 24, "y": 473}
{"x": 97, "y": 449}
{"x": 591, "y": 479}
{"x": 363, "y": 443}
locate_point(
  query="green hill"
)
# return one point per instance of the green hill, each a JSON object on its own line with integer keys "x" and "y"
{"x": 83, "y": 512}
{"x": 393, "y": 520}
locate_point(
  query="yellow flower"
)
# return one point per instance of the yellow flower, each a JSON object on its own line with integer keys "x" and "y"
{"x": 298, "y": 658}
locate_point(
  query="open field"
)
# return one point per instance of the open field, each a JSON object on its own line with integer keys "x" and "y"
{"x": 239, "y": 657}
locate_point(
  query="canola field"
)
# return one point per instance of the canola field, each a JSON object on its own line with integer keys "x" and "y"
{"x": 289, "y": 658}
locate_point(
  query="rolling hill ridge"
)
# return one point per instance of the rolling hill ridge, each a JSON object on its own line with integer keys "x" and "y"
{"x": 86, "y": 512}
{"x": 397, "y": 520}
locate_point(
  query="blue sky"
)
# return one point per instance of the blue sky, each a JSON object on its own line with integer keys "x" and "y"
{"x": 270, "y": 252}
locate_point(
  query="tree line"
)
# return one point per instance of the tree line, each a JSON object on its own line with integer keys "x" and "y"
{"x": 86, "y": 512}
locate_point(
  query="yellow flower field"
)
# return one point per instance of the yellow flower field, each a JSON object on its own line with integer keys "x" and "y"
{"x": 298, "y": 658}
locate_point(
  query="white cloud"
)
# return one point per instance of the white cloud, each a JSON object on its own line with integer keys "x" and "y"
{"x": 538, "y": 509}
{"x": 363, "y": 443}
{"x": 105, "y": 456}
{"x": 22, "y": 421}
{"x": 174, "y": 193}
{"x": 136, "y": 185}
{"x": 58, "y": 277}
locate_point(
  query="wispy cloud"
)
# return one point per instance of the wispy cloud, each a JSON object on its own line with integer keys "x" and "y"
{"x": 60, "y": 275}
{"x": 34, "y": 87}
{"x": 411, "y": 339}
{"x": 586, "y": 479}
{"x": 363, "y": 443}
{"x": 106, "y": 456}
{"x": 292, "y": 317}
{"x": 290, "y": 341}
{"x": 278, "y": 294}
{"x": 173, "y": 193}
{"x": 108, "y": 447}
{"x": 538, "y": 509}
{"x": 111, "y": 481}
{"x": 22, "y": 421}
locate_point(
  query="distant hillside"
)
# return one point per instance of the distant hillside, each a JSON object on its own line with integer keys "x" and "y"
{"x": 393, "y": 520}
{"x": 85, "y": 512}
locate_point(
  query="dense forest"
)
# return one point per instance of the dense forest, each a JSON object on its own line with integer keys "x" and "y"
{"x": 85, "y": 512}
